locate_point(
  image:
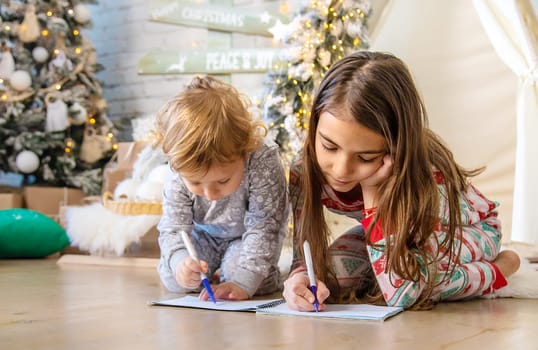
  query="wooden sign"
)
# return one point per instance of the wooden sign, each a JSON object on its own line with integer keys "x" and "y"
{"x": 208, "y": 62}
{"x": 213, "y": 17}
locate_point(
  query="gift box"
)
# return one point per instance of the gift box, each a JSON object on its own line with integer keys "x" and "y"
{"x": 10, "y": 200}
{"x": 121, "y": 167}
{"x": 128, "y": 152}
{"x": 112, "y": 176}
{"x": 48, "y": 199}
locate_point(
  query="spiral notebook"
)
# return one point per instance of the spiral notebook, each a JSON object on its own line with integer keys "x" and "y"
{"x": 221, "y": 305}
{"x": 279, "y": 307}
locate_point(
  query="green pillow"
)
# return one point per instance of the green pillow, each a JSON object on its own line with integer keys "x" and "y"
{"x": 27, "y": 233}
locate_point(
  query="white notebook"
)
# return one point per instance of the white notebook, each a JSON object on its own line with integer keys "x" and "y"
{"x": 346, "y": 311}
{"x": 221, "y": 305}
{"x": 279, "y": 307}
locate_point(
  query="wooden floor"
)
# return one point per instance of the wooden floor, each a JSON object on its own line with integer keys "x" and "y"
{"x": 46, "y": 305}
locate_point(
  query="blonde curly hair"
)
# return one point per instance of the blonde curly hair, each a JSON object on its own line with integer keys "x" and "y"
{"x": 207, "y": 123}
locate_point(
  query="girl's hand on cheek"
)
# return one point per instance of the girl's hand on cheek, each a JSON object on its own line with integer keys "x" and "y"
{"x": 372, "y": 182}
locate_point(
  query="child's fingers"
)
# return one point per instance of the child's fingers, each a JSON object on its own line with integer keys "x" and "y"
{"x": 222, "y": 291}
{"x": 203, "y": 295}
{"x": 386, "y": 167}
{"x": 382, "y": 173}
{"x": 193, "y": 265}
{"x": 323, "y": 292}
{"x": 204, "y": 266}
{"x": 236, "y": 292}
{"x": 301, "y": 300}
{"x": 190, "y": 281}
{"x": 297, "y": 294}
{"x": 188, "y": 273}
{"x": 227, "y": 291}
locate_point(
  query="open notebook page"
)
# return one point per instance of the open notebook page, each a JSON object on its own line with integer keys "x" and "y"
{"x": 279, "y": 307}
{"x": 346, "y": 311}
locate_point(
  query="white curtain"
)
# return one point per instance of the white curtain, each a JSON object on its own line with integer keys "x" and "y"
{"x": 512, "y": 28}
{"x": 380, "y": 11}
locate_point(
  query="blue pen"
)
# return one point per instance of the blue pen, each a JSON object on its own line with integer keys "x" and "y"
{"x": 311, "y": 275}
{"x": 193, "y": 255}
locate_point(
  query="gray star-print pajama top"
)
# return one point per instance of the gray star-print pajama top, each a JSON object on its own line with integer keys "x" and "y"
{"x": 242, "y": 234}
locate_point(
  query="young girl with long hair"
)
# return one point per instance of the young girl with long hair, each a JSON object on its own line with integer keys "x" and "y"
{"x": 425, "y": 234}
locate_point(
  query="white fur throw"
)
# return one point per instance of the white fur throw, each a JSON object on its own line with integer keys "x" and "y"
{"x": 523, "y": 284}
{"x": 95, "y": 229}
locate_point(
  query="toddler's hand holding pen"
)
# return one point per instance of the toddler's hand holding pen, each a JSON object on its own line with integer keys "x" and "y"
{"x": 188, "y": 272}
{"x": 202, "y": 270}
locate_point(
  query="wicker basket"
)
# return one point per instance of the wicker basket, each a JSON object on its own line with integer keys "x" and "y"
{"x": 131, "y": 208}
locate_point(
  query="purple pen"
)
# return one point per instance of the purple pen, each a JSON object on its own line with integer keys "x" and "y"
{"x": 193, "y": 255}
{"x": 314, "y": 290}
{"x": 311, "y": 275}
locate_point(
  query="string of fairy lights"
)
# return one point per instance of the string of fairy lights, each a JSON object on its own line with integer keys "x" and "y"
{"x": 322, "y": 33}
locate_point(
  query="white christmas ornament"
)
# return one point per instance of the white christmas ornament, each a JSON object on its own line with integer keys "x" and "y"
{"x": 20, "y": 80}
{"x": 27, "y": 162}
{"x": 56, "y": 113}
{"x": 40, "y": 54}
{"x": 126, "y": 190}
{"x": 82, "y": 14}
{"x": 7, "y": 63}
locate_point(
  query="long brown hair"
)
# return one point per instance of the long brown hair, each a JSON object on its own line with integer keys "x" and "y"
{"x": 377, "y": 89}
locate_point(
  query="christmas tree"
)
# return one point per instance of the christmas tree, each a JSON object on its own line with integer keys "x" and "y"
{"x": 53, "y": 124}
{"x": 321, "y": 33}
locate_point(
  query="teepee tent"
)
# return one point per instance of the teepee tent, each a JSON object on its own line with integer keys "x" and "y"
{"x": 469, "y": 92}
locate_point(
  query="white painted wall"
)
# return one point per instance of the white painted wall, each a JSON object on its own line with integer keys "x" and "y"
{"x": 122, "y": 34}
